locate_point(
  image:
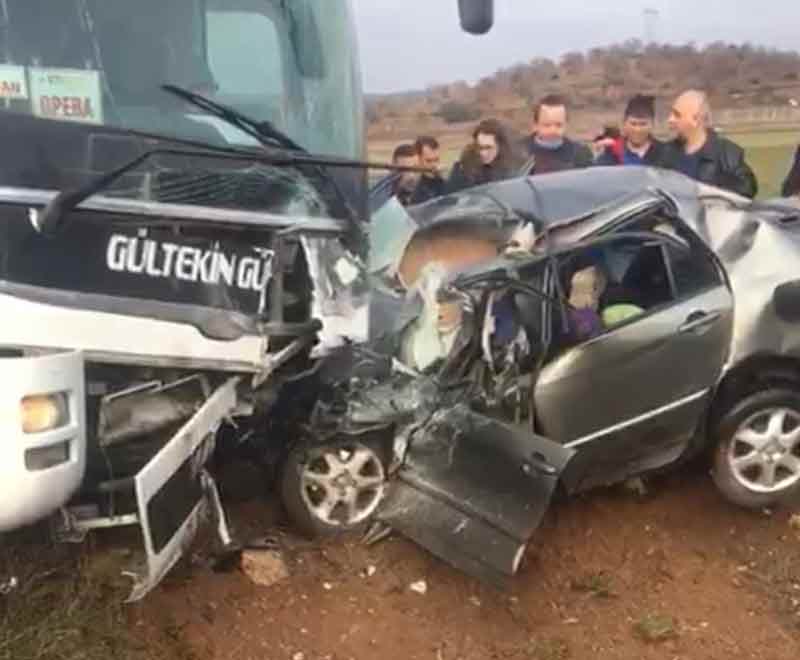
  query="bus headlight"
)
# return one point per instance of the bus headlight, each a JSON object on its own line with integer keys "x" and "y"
{"x": 44, "y": 412}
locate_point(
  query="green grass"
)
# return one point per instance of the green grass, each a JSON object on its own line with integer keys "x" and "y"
{"x": 769, "y": 153}
{"x": 764, "y": 138}
{"x": 770, "y": 165}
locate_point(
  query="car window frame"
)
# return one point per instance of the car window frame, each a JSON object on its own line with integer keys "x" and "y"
{"x": 695, "y": 243}
{"x": 662, "y": 240}
{"x": 699, "y": 252}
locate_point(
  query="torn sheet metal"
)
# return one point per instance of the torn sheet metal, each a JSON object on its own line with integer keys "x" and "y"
{"x": 340, "y": 298}
{"x": 759, "y": 247}
{"x": 173, "y": 491}
{"x": 9, "y": 585}
{"x": 430, "y": 337}
{"x": 391, "y": 229}
{"x": 473, "y": 490}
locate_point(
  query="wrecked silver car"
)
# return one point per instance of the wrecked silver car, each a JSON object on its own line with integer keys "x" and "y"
{"x": 566, "y": 331}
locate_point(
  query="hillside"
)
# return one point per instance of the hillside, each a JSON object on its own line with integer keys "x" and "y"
{"x": 597, "y": 83}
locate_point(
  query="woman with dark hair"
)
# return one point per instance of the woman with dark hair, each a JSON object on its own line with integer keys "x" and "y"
{"x": 792, "y": 184}
{"x": 487, "y": 158}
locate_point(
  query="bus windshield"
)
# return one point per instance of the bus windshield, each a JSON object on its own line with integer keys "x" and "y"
{"x": 104, "y": 62}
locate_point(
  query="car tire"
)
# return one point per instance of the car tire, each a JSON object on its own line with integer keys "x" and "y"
{"x": 756, "y": 458}
{"x": 334, "y": 488}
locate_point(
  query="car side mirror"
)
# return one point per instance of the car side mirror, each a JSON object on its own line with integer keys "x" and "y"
{"x": 477, "y": 16}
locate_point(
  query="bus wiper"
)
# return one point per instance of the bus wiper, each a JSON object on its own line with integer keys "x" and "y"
{"x": 263, "y": 131}
{"x": 268, "y": 135}
{"x": 48, "y": 220}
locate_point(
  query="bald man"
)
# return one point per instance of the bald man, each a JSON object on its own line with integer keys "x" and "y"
{"x": 700, "y": 153}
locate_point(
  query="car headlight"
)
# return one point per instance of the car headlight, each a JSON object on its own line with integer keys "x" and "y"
{"x": 44, "y": 412}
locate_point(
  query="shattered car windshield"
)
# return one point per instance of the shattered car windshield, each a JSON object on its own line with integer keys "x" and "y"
{"x": 393, "y": 225}
{"x": 103, "y": 62}
{"x": 391, "y": 228}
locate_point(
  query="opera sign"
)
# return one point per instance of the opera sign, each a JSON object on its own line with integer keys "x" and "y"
{"x": 68, "y": 94}
{"x": 13, "y": 83}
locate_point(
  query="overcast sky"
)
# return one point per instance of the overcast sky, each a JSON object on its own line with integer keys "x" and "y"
{"x": 409, "y": 44}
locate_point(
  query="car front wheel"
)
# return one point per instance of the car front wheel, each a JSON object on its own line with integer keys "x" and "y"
{"x": 756, "y": 460}
{"x": 332, "y": 488}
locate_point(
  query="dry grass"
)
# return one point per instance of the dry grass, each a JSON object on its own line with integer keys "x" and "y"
{"x": 549, "y": 649}
{"x": 68, "y": 605}
{"x": 656, "y": 628}
{"x": 597, "y": 585}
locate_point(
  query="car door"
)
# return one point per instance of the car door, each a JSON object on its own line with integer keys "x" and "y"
{"x": 472, "y": 490}
{"x": 631, "y": 398}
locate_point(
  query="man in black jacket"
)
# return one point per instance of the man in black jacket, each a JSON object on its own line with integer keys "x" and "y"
{"x": 547, "y": 147}
{"x": 700, "y": 153}
{"x": 405, "y": 155}
{"x": 792, "y": 184}
{"x": 431, "y": 184}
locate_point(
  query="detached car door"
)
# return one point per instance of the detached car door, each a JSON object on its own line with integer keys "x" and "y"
{"x": 472, "y": 490}
{"x": 630, "y": 399}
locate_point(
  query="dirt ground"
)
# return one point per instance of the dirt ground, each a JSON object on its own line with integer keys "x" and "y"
{"x": 672, "y": 574}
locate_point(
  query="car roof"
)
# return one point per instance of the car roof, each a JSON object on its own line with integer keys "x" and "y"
{"x": 553, "y": 197}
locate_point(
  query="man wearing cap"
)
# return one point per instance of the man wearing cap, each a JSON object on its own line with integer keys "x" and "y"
{"x": 636, "y": 145}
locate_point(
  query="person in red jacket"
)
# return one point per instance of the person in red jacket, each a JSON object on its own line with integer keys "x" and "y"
{"x": 609, "y": 138}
